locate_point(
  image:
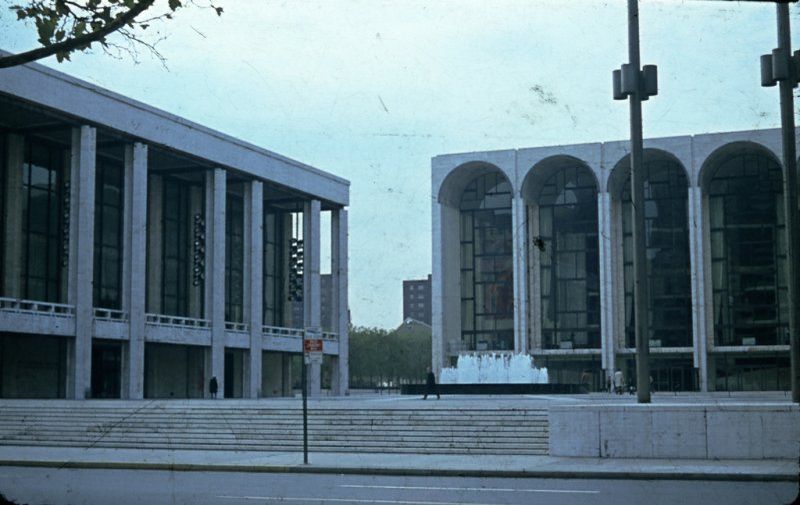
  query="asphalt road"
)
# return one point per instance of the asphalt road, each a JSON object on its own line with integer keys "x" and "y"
{"x": 76, "y": 487}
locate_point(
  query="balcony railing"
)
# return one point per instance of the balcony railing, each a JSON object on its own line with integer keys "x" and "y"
{"x": 240, "y": 327}
{"x": 177, "y": 322}
{"x": 110, "y": 315}
{"x": 34, "y": 307}
{"x": 279, "y": 331}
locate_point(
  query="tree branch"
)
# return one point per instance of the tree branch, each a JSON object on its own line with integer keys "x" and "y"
{"x": 72, "y": 44}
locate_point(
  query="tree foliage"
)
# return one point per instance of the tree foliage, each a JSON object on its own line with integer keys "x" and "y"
{"x": 66, "y": 26}
{"x": 378, "y": 356}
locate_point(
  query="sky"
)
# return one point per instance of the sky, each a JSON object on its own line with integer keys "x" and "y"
{"x": 371, "y": 90}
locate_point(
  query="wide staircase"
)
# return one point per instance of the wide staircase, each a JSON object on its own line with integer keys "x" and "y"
{"x": 275, "y": 426}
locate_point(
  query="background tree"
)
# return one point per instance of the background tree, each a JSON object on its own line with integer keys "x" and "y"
{"x": 379, "y": 356}
{"x": 66, "y": 26}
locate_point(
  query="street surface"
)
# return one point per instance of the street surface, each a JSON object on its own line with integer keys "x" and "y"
{"x": 52, "y": 486}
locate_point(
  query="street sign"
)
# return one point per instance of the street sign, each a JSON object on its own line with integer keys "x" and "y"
{"x": 312, "y": 350}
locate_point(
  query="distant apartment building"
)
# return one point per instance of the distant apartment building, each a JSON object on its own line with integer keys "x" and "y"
{"x": 417, "y": 300}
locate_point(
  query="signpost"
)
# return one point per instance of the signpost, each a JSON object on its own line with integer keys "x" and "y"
{"x": 312, "y": 353}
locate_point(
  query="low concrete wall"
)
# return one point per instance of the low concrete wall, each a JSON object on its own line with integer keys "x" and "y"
{"x": 729, "y": 431}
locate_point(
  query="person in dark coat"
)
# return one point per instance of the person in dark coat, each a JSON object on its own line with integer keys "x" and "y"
{"x": 212, "y": 387}
{"x": 430, "y": 385}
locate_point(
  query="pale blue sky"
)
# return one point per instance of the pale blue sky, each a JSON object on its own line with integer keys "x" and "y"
{"x": 370, "y": 90}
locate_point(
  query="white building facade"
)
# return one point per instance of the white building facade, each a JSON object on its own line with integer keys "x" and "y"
{"x": 532, "y": 253}
{"x": 143, "y": 254}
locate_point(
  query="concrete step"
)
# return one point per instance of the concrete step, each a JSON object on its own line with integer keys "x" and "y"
{"x": 395, "y": 430}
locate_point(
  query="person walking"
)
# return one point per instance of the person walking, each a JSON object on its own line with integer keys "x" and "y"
{"x": 213, "y": 386}
{"x": 430, "y": 385}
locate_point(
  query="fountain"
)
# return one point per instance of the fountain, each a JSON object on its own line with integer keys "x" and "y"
{"x": 494, "y": 369}
{"x": 495, "y": 374}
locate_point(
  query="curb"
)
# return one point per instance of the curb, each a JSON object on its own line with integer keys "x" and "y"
{"x": 412, "y": 472}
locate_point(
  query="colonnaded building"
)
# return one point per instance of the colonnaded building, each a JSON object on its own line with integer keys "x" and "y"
{"x": 532, "y": 252}
{"x": 143, "y": 254}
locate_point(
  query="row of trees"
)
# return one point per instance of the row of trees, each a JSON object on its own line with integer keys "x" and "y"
{"x": 378, "y": 356}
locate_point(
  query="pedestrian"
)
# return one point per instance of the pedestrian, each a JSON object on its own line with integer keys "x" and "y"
{"x": 619, "y": 383}
{"x": 608, "y": 384}
{"x": 430, "y": 385}
{"x": 212, "y": 387}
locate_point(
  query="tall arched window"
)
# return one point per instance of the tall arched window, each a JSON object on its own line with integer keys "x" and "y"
{"x": 487, "y": 274}
{"x": 748, "y": 251}
{"x": 668, "y": 264}
{"x": 569, "y": 263}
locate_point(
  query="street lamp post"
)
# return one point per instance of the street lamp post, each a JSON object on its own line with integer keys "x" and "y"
{"x": 781, "y": 68}
{"x": 638, "y": 84}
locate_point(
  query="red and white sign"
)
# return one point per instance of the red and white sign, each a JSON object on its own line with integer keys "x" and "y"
{"x": 312, "y": 345}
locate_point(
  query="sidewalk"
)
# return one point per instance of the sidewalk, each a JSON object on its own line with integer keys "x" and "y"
{"x": 401, "y": 464}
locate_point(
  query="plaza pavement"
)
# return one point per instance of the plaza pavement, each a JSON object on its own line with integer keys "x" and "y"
{"x": 520, "y": 466}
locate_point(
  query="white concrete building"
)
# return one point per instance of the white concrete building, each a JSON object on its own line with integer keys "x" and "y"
{"x": 532, "y": 253}
{"x": 143, "y": 254}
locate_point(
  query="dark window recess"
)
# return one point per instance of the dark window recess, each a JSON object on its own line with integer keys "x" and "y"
{"x": 108, "y": 234}
{"x": 569, "y": 260}
{"x": 748, "y": 251}
{"x": 487, "y": 275}
{"x": 175, "y": 265}
{"x": 669, "y": 307}
{"x": 274, "y": 246}
{"x": 234, "y": 258}
{"x": 44, "y": 212}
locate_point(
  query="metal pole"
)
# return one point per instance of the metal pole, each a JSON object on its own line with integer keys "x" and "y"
{"x": 790, "y": 200}
{"x": 305, "y": 411}
{"x": 640, "y": 299}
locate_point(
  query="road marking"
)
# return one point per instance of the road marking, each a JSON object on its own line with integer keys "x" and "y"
{"x": 492, "y": 489}
{"x": 352, "y": 500}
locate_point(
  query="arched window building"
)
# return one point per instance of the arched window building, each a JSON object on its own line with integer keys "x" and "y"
{"x": 532, "y": 252}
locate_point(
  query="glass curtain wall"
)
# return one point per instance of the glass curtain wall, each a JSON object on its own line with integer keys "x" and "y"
{"x": 487, "y": 274}
{"x": 176, "y": 229}
{"x": 44, "y": 208}
{"x": 570, "y": 261}
{"x": 234, "y": 258}
{"x": 107, "y": 234}
{"x": 668, "y": 264}
{"x": 748, "y": 251}
{"x": 273, "y": 267}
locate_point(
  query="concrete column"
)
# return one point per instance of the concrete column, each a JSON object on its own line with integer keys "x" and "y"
{"x": 134, "y": 263}
{"x": 312, "y": 303}
{"x": 520, "y": 262}
{"x": 12, "y": 243}
{"x": 445, "y": 284}
{"x": 254, "y": 280}
{"x": 340, "y": 379}
{"x": 155, "y": 210}
{"x": 215, "y": 273}
{"x": 696, "y": 247}
{"x": 81, "y": 247}
{"x": 534, "y": 282}
{"x": 605, "y": 247}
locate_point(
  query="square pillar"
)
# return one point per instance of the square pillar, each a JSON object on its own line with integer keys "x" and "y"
{"x": 445, "y": 284}
{"x": 254, "y": 279}
{"x": 340, "y": 379}
{"x": 605, "y": 251}
{"x": 312, "y": 303}
{"x": 520, "y": 265}
{"x": 535, "y": 343}
{"x": 12, "y": 243}
{"x": 216, "y": 182}
{"x": 81, "y": 258}
{"x": 134, "y": 263}
{"x": 698, "y": 285}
